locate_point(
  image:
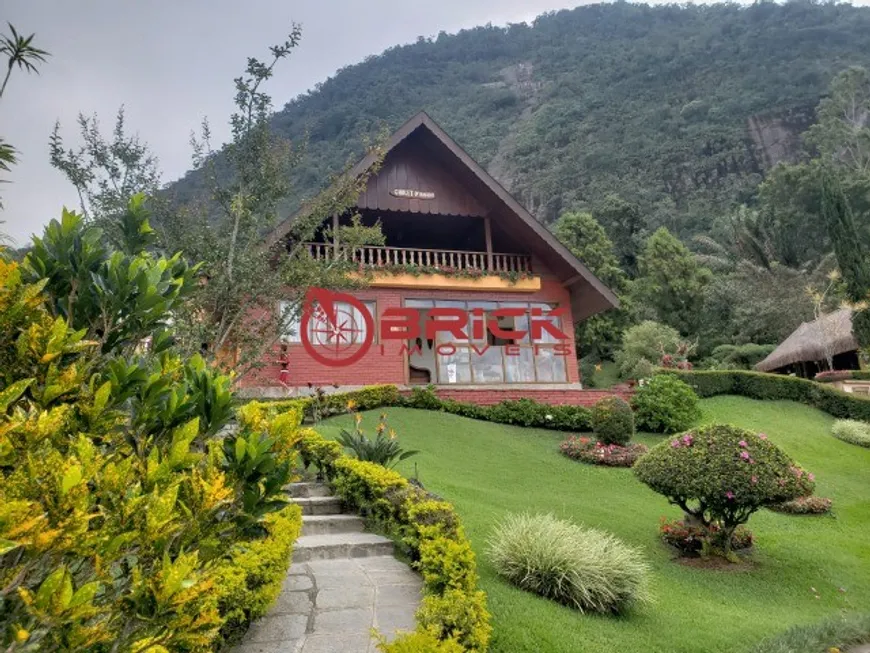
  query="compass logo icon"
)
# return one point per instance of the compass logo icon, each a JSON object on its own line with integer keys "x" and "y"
{"x": 336, "y": 330}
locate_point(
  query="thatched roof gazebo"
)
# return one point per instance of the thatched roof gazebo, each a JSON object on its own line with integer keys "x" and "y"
{"x": 813, "y": 344}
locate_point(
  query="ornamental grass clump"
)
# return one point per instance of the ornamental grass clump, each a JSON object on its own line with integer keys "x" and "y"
{"x": 852, "y": 431}
{"x": 719, "y": 475}
{"x": 580, "y": 567}
{"x": 613, "y": 421}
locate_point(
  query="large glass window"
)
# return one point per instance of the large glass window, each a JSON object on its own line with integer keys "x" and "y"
{"x": 493, "y": 359}
{"x": 350, "y": 323}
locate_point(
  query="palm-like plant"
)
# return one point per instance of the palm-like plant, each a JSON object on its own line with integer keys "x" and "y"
{"x": 19, "y": 51}
{"x": 384, "y": 449}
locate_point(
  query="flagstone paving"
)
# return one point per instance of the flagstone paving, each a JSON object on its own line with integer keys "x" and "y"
{"x": 343, "y": 583}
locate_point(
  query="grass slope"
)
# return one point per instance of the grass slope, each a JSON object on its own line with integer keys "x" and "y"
{"x": 488, "y": 469}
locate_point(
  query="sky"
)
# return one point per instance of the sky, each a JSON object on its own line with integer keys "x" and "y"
{"x": 171, "y": 63}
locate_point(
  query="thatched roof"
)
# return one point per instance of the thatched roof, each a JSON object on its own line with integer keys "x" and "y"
{"x": 830, "y": 335}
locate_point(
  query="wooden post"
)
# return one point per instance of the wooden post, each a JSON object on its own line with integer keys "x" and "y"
{"x": 488, "y": 231}
{"x": 335, "y": 236}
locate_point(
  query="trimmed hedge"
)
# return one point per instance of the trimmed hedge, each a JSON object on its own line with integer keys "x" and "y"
{"x": 758, "y": 385}
{"x": 453, "y": 608}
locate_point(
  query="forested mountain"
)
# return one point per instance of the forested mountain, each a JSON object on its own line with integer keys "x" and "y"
{"x": 679, "y": 110}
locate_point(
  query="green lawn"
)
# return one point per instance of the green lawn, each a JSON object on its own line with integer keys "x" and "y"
{"x": 489, "y": 469}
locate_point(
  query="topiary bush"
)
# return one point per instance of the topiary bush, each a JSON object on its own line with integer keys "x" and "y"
{"x": 664, "y": 404}
{"x": 852, "y": 431}
{"x": 613, "y": 421}
{"x": 720, "y": 475}
{"x": 583, "y": 568}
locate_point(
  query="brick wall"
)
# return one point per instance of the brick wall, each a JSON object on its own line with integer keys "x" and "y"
{"x": 385, "y": 362}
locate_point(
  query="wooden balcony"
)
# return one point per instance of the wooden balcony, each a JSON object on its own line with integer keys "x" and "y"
{"x": 442, "y": 259}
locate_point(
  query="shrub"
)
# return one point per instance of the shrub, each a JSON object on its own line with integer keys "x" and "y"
{"x": 852, "y": 431}
{"x": 828, "y": 636}
{"x": 612, "y": 421}
{"x": 580, "y": 567}
{"x": 422, "y": 641}
{"x": 690, "y": 539}
{"x": 664, "y": 404}
{"x": 758, "y": 385}
{"x": 720, "y": 474}
{"x": 587, "y": 450}
{"x": 643, "y": 346}
{"x": 384, "y": 449}
{"x": 804, "y": 506}
{"x": 738, "y": 357}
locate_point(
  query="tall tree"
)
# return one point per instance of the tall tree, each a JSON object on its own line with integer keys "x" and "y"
{"x": 580, "y": 232}
{"x": 672, "y": 283}
{"x": 234, "y": 311}
{"x": 850, "y": 253}
{"x": 20, "y": 53}
{"x": 624, "y": 223}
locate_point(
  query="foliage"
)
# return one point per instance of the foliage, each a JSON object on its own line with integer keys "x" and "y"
{"x": 643, "y": 346}
{"x": 671, "y": 283}
{"x": 585, "y": 237}
{"x": 588, "y": 450}
{"x": 665, "y": 404}
{"x": 852, "y": 431}
{"x": 124, "y": 526}
{"x": 834, "y": 633}
{"x": 692, "y": 538}
{"x": 613, "y": 421}
{"x": 233, "y": 317}
{"x": 720, "y": 474}
{"x": 422, "y": 641}
{"x": 586, "y": 569}
{"x": 119, "y": 296}
{"x": 19, "y": 52}
{"x": 738, "y": 357}
{"x": 810, "y": 505}
{"x": 383, "y": 449}
{"x": 832, "y": 376}
{"x": 106, "y": 173}
{"x": 758, "y": 385}
{"x": 453, "y": 609}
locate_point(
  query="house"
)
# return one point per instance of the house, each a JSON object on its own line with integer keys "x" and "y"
{"x": 454, "y": 239}
{"x": 824, "y": 344}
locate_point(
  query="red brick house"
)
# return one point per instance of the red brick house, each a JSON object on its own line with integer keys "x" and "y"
{"x": 454, "y": 238}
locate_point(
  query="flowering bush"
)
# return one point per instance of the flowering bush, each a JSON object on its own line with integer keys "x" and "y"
{"x": 720, "y": 474}
{"x": 804, "y": 506}
{"x": 592, "y": 451}
{"x": 665, "y": 405}
{"x": 613, "y": 421}
{"x": 852, "y": 431}
{"x": 690, "y": 538}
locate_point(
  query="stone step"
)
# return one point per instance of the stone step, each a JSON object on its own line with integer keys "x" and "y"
{"x": 319, "y": 505}
{"x": 341, "y": 545}
{"x": 305, "y": 490}
{"x": 324, "y": 524}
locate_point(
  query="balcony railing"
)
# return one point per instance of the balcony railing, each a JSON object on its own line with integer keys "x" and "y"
{"x": 375, "y": 257}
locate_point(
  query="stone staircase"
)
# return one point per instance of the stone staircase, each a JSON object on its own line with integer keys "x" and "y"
{"x": 328, "y": 533}
{"x": 343, "y": 582}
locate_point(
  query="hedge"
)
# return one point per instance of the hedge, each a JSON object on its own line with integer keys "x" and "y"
{"x": 831, "y": 376}
{"x": 453, "y": 609}
{"x": 521, "y": 412}
{"x": 758, "y": 385}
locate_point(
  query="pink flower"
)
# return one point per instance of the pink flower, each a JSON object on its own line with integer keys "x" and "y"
{"x": 675, "y": 444}
{"x": 763, "y": 436}
{"x": 743, "y": 444}
{"x": 744, "y": 455}
{"x": 687, "y": 440}
{"x": 754, "y": 480}
{"x": 811, "y": 476}
{"x": 729, "y": 495}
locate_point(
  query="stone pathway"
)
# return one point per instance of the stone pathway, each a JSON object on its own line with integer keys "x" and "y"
{"x": 343, "y": 582}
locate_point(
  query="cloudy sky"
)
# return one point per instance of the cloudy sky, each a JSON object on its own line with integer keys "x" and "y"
{"x": 171, "y": 63}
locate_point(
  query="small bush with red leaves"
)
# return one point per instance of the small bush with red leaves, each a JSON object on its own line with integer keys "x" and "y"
{"x": 721, "y": 474}
{"x": 591, "y": 451}
{"x": 613, "y": 421}
{"x": 804, "y": 506}
{"x": 691, "y": 539}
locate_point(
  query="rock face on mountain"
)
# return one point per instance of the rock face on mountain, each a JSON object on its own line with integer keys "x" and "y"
{"x": 679, "y": 110}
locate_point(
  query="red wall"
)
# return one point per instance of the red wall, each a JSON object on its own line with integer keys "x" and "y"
{"x": 391, "y": 365}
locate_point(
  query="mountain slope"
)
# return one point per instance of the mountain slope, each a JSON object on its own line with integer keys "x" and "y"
{"x": 678, "y": 109}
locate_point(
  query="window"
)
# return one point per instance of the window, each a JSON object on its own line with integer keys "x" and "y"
{"x": 351, "y": 323}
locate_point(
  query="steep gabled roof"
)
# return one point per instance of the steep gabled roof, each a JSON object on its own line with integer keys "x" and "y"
{"x": 589, "y": 295}
{"x": 829, "y": 335}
